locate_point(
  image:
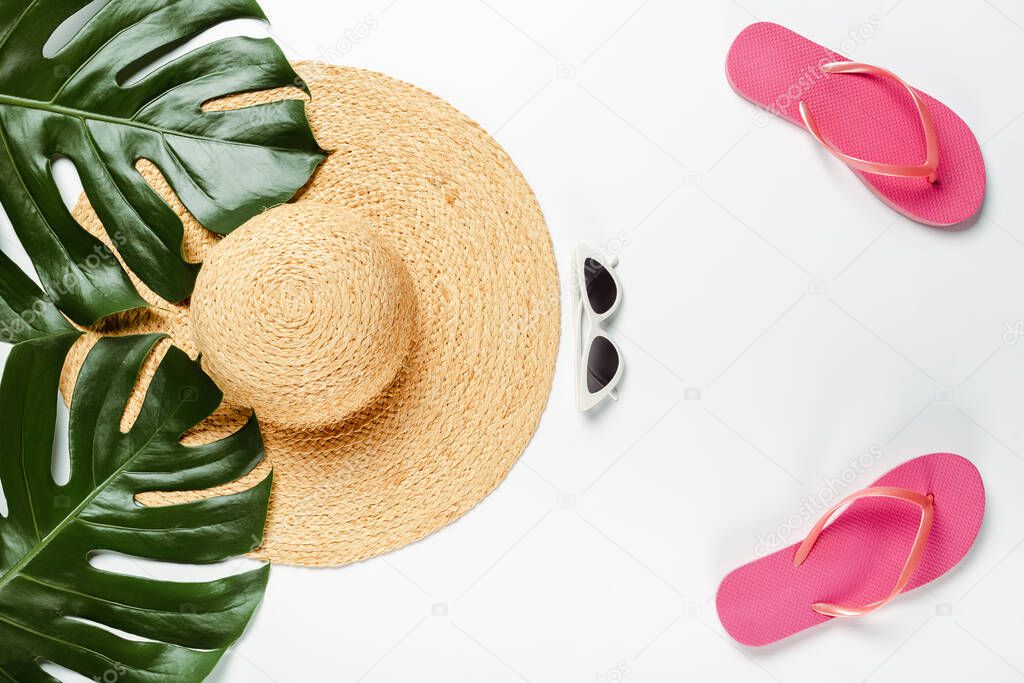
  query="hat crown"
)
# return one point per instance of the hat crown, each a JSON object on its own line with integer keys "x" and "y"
{"x": 304, "y": 314}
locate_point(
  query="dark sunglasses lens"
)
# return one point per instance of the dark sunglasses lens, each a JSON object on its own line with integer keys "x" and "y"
{"x": 602, "y": 364}
{"x": 601, "y": 289}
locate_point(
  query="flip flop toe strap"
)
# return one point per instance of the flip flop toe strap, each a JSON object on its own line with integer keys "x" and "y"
{"x": 923, "y": 501}
{"x": 929, "y": 169}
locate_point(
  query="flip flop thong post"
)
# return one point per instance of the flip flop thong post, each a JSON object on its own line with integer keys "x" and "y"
{"x": 909, "y": 528}
{"x": 911, "y": 150}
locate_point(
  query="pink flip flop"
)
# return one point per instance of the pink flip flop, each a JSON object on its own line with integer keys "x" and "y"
{"x": 868, "y": 118}
{"x": 909, "y": 528}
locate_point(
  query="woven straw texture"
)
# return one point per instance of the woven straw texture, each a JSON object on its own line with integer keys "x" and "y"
{"x": 395, "y": 328}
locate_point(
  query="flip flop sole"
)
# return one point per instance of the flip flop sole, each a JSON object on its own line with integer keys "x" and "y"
{"x": 865, "y": 117}
{"x": 858, "y": 558}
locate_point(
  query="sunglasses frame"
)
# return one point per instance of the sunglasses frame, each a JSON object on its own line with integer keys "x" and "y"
{"x": 585, "y": 399}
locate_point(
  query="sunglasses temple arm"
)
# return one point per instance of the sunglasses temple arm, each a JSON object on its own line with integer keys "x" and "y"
{"x": 578, "y": 362}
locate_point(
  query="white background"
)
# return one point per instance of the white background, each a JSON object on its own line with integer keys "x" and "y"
{"x": 779, "y": 322}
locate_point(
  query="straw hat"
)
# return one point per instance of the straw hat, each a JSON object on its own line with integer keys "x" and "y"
{"x": 395, "y": 328}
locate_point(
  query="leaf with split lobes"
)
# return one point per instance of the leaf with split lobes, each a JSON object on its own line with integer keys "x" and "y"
{"x": 55, "y": 606}
{"x": 225, "y": 166}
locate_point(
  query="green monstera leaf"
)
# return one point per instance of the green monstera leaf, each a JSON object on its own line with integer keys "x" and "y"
{"x": 82, "y": 103}
{"x": 25, "y": 312}
{"x": 55, "y": 605}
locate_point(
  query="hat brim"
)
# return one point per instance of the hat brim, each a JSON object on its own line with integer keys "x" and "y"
{"x": 451, "y": 203}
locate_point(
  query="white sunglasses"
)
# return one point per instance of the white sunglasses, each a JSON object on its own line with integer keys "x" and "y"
{"x": 598, "y": 361}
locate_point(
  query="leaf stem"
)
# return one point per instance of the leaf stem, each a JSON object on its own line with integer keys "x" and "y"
{"x": 39, "y": 105}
